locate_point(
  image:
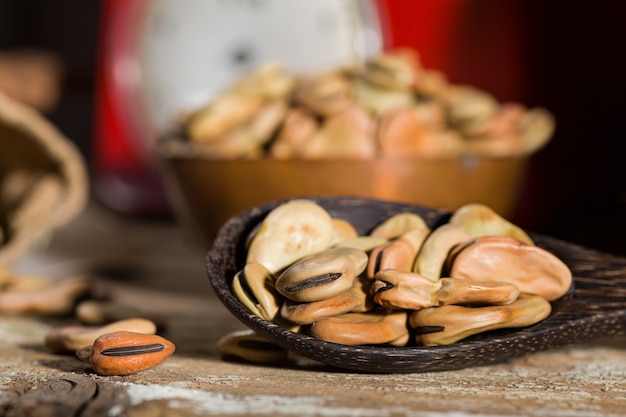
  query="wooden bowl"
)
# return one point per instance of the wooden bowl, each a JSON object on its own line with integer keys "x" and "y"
{"x": 206, "y": 192}
{"x": 595, "y": 308}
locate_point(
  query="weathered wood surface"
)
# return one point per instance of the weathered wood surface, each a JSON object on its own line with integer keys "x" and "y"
{"x": 155, "y": 266}
{"x": 69, "y": 395}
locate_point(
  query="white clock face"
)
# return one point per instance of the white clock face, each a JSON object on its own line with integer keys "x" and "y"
{"x": 189, "y": 50}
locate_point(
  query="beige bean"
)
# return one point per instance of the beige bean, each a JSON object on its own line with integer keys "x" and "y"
{"x": 289, "y": 232}
{"x": 537, "y": 127}
{"x": 297, "y": 128}
{"x": 7, "y": 278}
{"x": 403, "y": 133}
{"x": 254, "y": 286}
{"x": 223, "y": 114}
{"x": 126, "y": 353}
{"x": 324, "y": 94}
{"x": 322, "y": 275}
{"x": 449, "y": 324}
{"x": 468, "y": 108}
{"x": 378, "y": 100}
{"x": 372, "y": 328}
{"x": 30, "y": 283}
{"x": 532, "y": 269}
{"x": 58, "y": 299}
{"x": 343, "y": 230}
{"x": 394, "y": 70}
{"x": 399, "y": 224}
{"x": 356, "y": 299}
{"x": 251, "y": 347}
{"x": 364, "y": 243}
{"x": 398, "y": 254}
{"x": 72, "y": 338}
{"x": 465, "y": 292}
{"x": 481, "y": 220}
{"x": 431, "y": 83}
{"x": 269, "y": 81}
{"x": 346, "y": 134}
{"x": 395, "y": 289}
{"x": 434, "y": 252}
{"x": 500, "y": 136}
{"x": 100, "y": 312}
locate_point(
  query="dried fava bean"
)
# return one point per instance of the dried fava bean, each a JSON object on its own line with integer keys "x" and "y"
{"x": 324, "y": 94}
{"x": 254, "y": 287}
{"x": 58, "y": 299}
{"x": 126, "y": 353}
{"x": 298, "y": 127}
{"x": 500, "y": 135}
{"x": 536, "y": 127}
{"x": 354, "y": 300}
{"x": 378, "y": 100}
{"x": 72, "y": 338}
{"x": 30, "y": 283}
{"x": 322, "y": 275}
{"x": 469, "y": 109}
{"x": 449, "y": 324}
{"x": 371, "y": 328}
{"x": 466, "y": 292}
{"x": 269, "y": 81}
{"x": 251, "y": 347}
{"x": 434, "y": 252}
{"x": 398, "y": 254}
{"x": 100, "y": 312}
{"x": 481, "y": 220}
{"x": 431, "y": 84}
{"x": 396, "y": 70}
{"x": 343, "y": 230}
{"x": 364, "y": 243}
{"x": 398, "y": 224}
{"x": 290, "y": 231}
{"x": 248, "y": 140}
{"x": 6, "y": 276}
{"x": 347, "y": 134}
{"x": 532, "y": 269}
{"x": 403, "y": 134}
{"x": 394, "y": 289}
{"x": 223, "y": 114}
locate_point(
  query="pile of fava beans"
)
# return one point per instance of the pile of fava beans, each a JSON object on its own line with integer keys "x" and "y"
{"x": 401, "y": 284}
{"x": 390, "y": 106}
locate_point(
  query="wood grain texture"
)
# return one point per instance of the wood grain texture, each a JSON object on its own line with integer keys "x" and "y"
{"x": 595, "y": 306}
{"x": 71, "y": 395}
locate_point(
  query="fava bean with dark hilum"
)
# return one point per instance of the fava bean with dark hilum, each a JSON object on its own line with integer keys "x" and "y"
{"x": 402, "y": 283}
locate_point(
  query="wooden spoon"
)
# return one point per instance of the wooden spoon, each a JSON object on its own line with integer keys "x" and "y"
{"x": 594, "y": 307}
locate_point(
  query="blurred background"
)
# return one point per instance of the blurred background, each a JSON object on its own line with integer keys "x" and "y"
{"x": 567, "y": 56}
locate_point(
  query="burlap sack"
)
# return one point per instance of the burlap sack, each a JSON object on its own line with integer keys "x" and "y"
{"x": 43, "y": 179}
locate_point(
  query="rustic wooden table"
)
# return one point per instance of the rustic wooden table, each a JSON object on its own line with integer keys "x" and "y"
{"x": 158, "y": 266}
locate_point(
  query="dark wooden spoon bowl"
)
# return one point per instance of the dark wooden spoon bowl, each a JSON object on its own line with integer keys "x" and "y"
{"x": 594, "y": 307}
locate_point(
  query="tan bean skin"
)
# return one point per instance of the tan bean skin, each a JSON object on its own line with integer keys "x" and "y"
{"x": 71, "y": 338}
{"x": 375, "y": 327}
{"x": 532, "y": 269}
{"x": 322, "y": 275}
{"x": 126, "y": 353}
{"x": 57, "y": 300}
{"x": 251, "y": 347}
{"x": 450, "y": 323}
